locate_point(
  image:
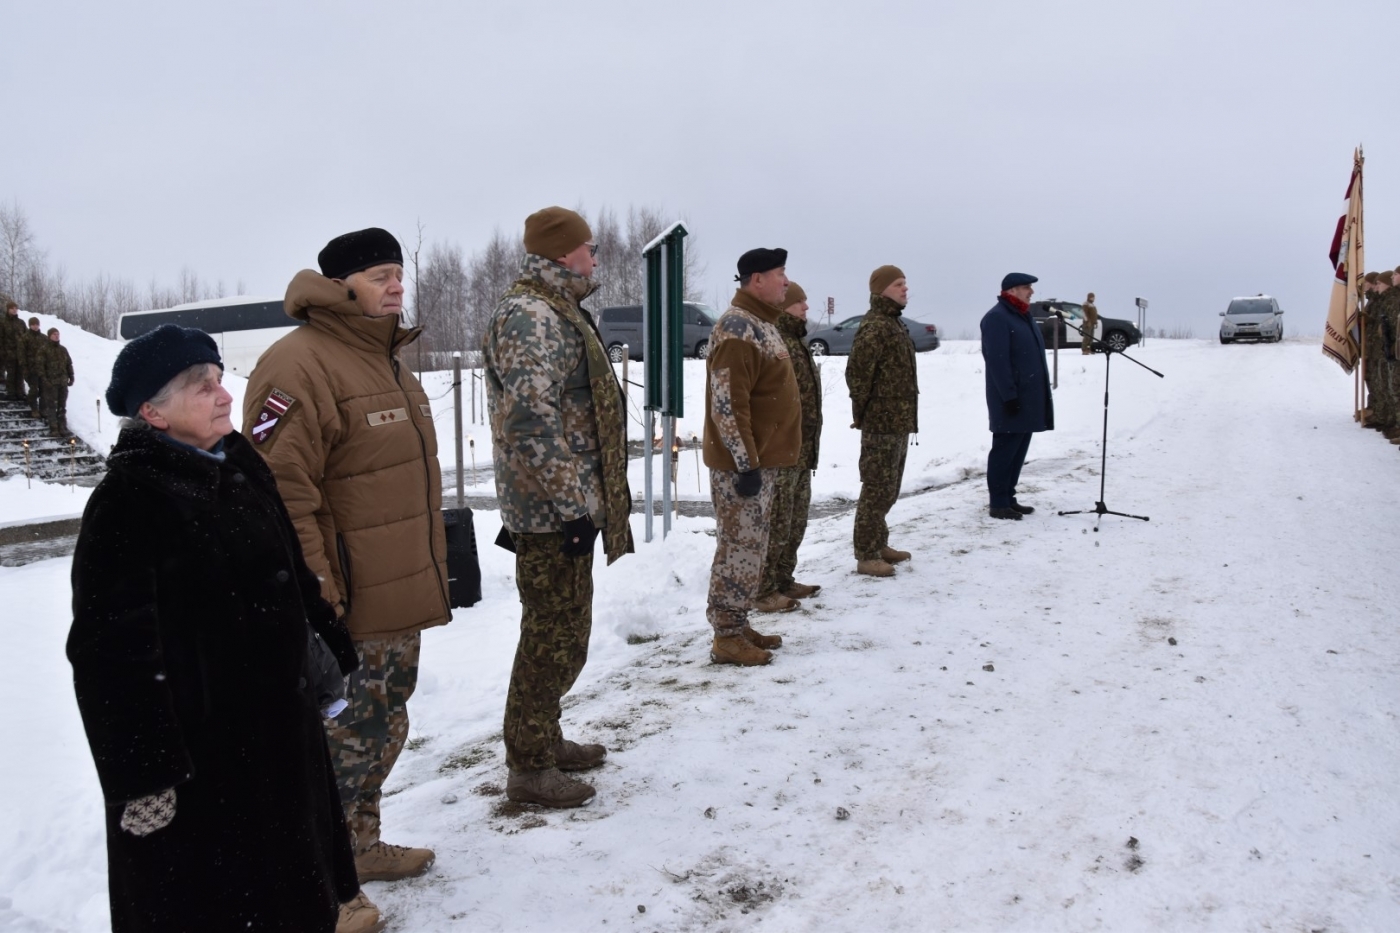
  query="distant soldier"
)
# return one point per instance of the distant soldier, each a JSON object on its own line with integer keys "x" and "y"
{"x": 883, "y": 380}
{"x": 32, "y": 344}
{"x": 56, "y": 373}
{"x": 12, "y": 332}
{"x": 1374, "y": 290}
{"x": 559, "y": 428}
{"x": 1091, "y": 322}
{"x": 792, "y": 493}
{"x": 753, "y": 428}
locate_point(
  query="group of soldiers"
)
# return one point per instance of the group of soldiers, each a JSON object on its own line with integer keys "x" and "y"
{"x": 37, "y": 369}
{"x": 1380, "y": 343}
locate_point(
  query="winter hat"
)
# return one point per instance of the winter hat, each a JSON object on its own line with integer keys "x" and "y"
{"x": 555, "y": 232}
{"x": 33, "y": 321}
{"x": 883, "y": 277}
{"x": 761, "y": 260}
{"x": 355, "y": 252}
{"x": 147, "y": 363}
{"x": 52, "y": 331}
{"x": 1387, "y": 277}
{"x": 11, "y": 304}
{"x": 1090, "y": 299}
{"x": 1017, "y": 279}
{"x": 795, "y": 294}
{"x": 1370, "y": 278}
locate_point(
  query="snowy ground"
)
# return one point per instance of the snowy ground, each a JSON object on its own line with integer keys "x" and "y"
{"x": 1182, "y": 724}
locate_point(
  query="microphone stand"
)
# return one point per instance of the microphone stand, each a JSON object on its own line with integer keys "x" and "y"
{"x": 1100, "y": 509}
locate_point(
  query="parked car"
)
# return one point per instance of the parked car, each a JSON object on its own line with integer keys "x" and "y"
{"x": 1118, "y": 333}
{"x": 623, "y": 325}
{"x": 1257, "y": 318}
{"x": 838, "y": 339}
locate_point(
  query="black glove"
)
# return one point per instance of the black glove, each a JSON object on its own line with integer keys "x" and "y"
{"x": 748, "y": 483}
{"x": 579, "y": 534}
{"x": 1011, "y": 406}
{"x": 335, "y": 635}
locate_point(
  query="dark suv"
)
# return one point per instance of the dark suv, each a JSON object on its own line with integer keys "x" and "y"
{"x": 1116, "y": 332}
{"x": 623, "y": 325}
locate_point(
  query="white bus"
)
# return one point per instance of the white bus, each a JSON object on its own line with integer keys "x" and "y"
{"x": 242, "y": 327}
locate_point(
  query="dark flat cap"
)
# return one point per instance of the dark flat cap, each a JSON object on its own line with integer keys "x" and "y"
{"x": 355, "y": 252}
{"x": 1015, "y": 279}
{"x": 761, "y": 260}
{"x": 146, "y": 364}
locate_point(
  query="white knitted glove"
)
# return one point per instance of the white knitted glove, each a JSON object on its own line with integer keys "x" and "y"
{"x": 145, "y": 815}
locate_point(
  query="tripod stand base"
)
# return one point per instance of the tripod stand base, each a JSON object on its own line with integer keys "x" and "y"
{"x": 1101, "y": 510}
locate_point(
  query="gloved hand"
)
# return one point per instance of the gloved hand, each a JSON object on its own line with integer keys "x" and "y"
{"x": 579, "y": 534}
{"x": 1011, "y": 406}
{"x": 145, "y": 815}
{"x": 748, "y": 483}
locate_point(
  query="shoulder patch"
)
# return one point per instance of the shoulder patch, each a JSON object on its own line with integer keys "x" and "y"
{"x": 276, "y": 405}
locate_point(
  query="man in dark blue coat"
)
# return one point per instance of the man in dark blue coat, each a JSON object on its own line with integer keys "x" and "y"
{"x": 1018, "y": 390}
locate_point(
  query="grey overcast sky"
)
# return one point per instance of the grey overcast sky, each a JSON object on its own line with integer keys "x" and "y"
{"x": 1183, "y": 151}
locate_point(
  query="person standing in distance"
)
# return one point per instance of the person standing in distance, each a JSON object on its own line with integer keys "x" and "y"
{"x": 560, "y": 457}
{"x": 11, "y": 335}
{"x": 348, "y": 432}
{"x": 1091, "y": 323}
{"x": 1018, "y": 390}
{"x": 883, "y": 380}
{"x": 56, "y": 370}
{"x": 753, "y": 429}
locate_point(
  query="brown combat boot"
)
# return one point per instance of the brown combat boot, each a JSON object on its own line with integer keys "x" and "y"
{"x": 385, "y": 862}
{"x": 548, "y": 788}
{"x": 736, "y": 649}
{"x": 571, "y": 756}
{"x": 359, "y": 915}
{"x": 874, "y": 568}
{"x": 767, "y": 642}
{"x": 801, "y": 590}
{"x": 775, "y": 602}
{"x": 891, "y": 556}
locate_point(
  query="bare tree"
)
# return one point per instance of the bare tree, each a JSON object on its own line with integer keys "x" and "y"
{"x": 19, "y": 253}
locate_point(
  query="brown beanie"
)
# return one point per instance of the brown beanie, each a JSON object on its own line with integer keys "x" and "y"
{"x": 1387, "y": 277}
{"x": 34, "y": 320}
{"x": 795, "y": 294}
{"x": 1370, "y": 277}
{"x": 1090, "y": 299}
{"x": 883, "y": 277}
{"x": 555, "y": 232}
{"x": 53, "y": 331}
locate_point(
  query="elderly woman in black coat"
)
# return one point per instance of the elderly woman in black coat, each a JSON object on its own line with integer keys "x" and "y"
{"x": 190, "y": 657}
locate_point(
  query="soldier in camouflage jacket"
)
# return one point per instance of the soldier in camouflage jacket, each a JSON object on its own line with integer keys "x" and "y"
{"x": 11, "y": 333}
{"x": 55, "y": 369}
{"x": 560, "y": 457}
{"x": 884, "y": 386}
{"x": 31, "y": 348}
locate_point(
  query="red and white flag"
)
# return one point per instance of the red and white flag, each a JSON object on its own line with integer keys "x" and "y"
{"x": 1341, "y": 336}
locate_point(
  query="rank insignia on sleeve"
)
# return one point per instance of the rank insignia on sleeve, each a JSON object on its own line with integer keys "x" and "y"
{"x": 272, "y": 411}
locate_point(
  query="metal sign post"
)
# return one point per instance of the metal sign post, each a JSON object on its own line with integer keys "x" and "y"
{"x": 663, "y": 334}
{"x": 457, "y": 419}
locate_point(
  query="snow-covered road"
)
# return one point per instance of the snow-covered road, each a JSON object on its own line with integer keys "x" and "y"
{"x": 1182, "y": 724}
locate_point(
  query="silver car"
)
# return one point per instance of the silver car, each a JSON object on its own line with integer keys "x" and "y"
{"x": 838, "y": 339}
{"x": 1257, "y": 318}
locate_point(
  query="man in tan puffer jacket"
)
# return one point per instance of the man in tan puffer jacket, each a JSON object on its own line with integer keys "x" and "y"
{"x": 348, "y": 431}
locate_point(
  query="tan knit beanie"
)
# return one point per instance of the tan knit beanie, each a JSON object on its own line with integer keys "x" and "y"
{"x": 883, "y": 277}
{"x": 795, "y": 294}
{"x": 1370, "y": 277}
{"x": 1387, "y": 277}
{"x": 555, "y": 232}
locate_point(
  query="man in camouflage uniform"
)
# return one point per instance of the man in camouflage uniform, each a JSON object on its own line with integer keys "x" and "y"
{"x": 11, "y": 335}
{"x": 792, "y": 493}
{"x": 32, "y": 345}
{"x": 56, "y": 371}
{"x": 557, "y": 422}
{"x": 884, "y": 384}
{"x": 1091, "y": 322}
{"x": 1376, "y": 286}
{"x": 753, "y": 429}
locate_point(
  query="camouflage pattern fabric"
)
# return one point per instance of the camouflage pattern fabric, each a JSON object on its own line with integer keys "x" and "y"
{"x": 1091, "y": 321}
{"x": 809, "y": 389}
{"x": 55, "y": 401}
{"x": 1375, "y": 375}
{"x": 787, "y": 526}
{"x": 882, "y": 374}
{"x": 881, "y": 472}
{"x": 11, "y": 333}
{"x": 31, "y": 356}
{"x": 366, "y": 739}
{"x": 741, "y": 544}
{"x": 557, "y": 412}
{"x": 55, "y": 364}
{"x": 556, "y": 599}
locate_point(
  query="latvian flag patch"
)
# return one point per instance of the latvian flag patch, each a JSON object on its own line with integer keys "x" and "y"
{"x": 272, "y": 411}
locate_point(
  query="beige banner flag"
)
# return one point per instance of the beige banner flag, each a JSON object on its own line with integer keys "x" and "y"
{"x": 1341, "y": 337}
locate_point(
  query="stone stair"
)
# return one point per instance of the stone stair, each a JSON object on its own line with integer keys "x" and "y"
{"x": 56, "y": 459}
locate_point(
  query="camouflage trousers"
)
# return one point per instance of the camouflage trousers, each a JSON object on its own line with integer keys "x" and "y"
{"x": 35, "y": 390}
{"x": 368, "y": 736}
{"x": 556, "y": 619}
{"x": 881, "y": 472}
{"x": 741, "y": 544}
{"x": 14, "y": 378}
{"x": 55, "y": 398}
{"x": 787, "y": 526}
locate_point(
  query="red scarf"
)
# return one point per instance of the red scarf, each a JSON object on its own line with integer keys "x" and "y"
{"x": 1015, "y": 302}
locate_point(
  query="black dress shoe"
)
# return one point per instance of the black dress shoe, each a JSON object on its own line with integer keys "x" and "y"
{"x": 1023, "y": 509}
{"x": 1005, "y": 513}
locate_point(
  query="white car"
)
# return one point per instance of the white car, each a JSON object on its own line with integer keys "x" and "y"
{"x": 1257, "y": 318}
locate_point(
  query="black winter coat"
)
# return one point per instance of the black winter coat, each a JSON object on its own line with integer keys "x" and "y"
{"x": 1014, "y": 354}
{"x": 188, "y": 645}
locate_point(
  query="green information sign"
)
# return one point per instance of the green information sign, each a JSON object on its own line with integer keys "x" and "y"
{"x": 663, "y": 322}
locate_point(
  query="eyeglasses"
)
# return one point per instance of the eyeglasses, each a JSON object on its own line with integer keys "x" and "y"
{"x": 593, "y": 249}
